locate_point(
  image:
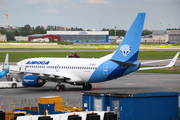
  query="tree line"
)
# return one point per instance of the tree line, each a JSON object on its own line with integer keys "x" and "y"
{"x": 28, "y": 30}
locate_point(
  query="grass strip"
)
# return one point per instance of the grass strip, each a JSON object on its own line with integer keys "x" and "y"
{"x": 143, "y": 55}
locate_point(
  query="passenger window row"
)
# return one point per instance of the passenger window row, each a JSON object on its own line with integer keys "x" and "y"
{"x": 70, "y": 67}
{"x": 35, "y": 66}
{"x": 63, "y": 67}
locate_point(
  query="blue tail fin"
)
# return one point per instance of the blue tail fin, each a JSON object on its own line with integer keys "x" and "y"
{"x": 3, "y": 73}
{"x": 129, "y": 47}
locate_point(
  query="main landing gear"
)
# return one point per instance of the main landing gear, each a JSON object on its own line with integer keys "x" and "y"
{"x": 87, "y": 86}
{"x": 60, "y": 87}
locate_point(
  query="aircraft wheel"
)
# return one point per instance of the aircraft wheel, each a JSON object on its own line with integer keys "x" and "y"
{"x": 57, "y": 88}
{"x": 14, "y": 85}
{"x": 63, "y": 87}
{"x": 84, "y": 87}
{"x": 87, "y": 86}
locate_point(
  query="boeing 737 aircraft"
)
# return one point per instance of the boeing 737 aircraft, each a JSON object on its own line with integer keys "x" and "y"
{"x": 84, "y": 71}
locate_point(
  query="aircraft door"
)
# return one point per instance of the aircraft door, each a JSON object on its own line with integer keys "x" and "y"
{"x": 98, "y": 104}
{"x": 105, "y": 68}
{"x": 116, "y": 108}
{"x": 57, "y": 68}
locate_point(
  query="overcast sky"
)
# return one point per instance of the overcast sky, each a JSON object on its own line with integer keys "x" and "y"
{"x": 91, "y": 14}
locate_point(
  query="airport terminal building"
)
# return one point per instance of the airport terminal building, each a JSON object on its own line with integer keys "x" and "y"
{"x": 162, "y": 36}
{"x": 82, "y": 36}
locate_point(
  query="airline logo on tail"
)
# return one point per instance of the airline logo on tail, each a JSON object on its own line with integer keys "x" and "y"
{"x": 125, "y": 49}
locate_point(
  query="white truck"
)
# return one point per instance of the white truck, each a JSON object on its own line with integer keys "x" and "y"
{"x": 14, "y": 83}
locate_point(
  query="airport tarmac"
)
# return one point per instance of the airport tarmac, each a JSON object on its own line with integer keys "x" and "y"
{"x": 139, "y": 82}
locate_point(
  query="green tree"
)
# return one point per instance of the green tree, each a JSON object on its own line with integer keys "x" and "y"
{"x": 10, "y": 35}
{"x": 50, "y": 27}
{"x": 146, "y": 32}
{"x": 26, "y": 30}
{"x": 16, "y": 32}
{"x": 118, "y": 32}
{"x": 40, "y": 30}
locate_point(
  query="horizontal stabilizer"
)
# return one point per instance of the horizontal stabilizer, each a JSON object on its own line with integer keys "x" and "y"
{"x": 123, "y": 63}
{"x": 169, "y": 65}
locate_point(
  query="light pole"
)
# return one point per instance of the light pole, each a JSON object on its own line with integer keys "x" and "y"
{"x": 115, "y": 33}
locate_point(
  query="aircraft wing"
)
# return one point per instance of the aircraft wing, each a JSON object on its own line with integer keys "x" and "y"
{"x": 66, "y": 76}
{"x": 169, "y": 65}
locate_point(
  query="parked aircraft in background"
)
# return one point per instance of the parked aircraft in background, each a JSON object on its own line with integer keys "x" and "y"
{"x": 84, "y": 71}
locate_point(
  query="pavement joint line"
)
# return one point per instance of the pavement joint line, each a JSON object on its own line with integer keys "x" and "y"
{"x": 160, "y": 82}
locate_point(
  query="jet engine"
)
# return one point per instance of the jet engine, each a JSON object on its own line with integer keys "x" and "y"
{"x": 33, "y": 81}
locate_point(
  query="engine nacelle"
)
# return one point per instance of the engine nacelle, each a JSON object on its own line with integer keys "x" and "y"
{"x": 32, "y": 81}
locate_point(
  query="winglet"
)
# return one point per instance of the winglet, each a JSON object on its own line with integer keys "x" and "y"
{"x": 173, "y": 60}
{"x": 169, "y": 65}
{"x": 6, "y": 62}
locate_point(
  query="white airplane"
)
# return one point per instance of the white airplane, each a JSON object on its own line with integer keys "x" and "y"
{"x": 84, "y": 71}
